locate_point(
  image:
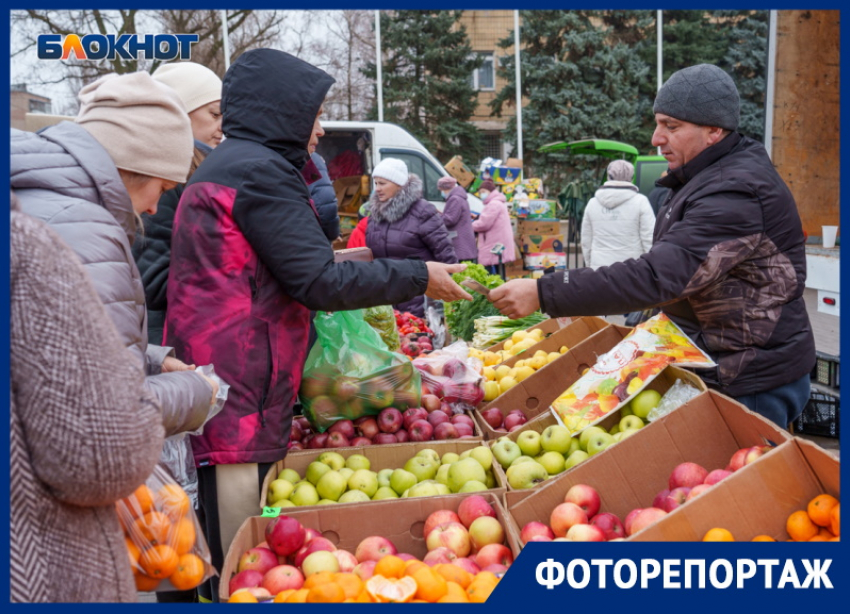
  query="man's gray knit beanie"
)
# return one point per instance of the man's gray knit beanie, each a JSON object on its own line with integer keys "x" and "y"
{"x": 703, "y": 94}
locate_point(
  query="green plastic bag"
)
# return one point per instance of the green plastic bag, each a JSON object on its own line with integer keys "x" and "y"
{"x": 350, "y": 373}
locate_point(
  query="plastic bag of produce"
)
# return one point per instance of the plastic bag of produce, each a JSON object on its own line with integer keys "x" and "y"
{"x": 165, "y": 544}
{"x": 350, "y": 373}
{"x": 625, "y": 370}
{"x": 382, "y": 319}
{"x": 453, "y": 376}
{"x": 679, "y": 393}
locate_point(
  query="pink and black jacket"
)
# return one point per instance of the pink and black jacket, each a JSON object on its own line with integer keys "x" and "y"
{"x": 249, "y": 259}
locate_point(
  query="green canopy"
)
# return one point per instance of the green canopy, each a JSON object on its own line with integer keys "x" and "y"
{"x": 598, "y": 147}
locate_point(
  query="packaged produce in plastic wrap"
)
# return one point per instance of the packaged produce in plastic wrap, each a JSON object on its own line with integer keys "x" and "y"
{"x": 382, "y": 319}
{"x": 165, "y": 544}
{"x": 679, "y": 393}
{"x": 350, "y": 373}
{"x": 625, "y": 370}
{"x": 453, "y": 376}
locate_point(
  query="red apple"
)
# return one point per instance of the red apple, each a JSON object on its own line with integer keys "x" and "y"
{"x": 295, "y": 432}
{"x": 347, "y": 561}
{"x": 310, "y": 534}
{"x": 260, "y": 559}
{"x": 512, "y": 420}
{"x": 436, "y": 418}
{"x": 285, "y": 535}
{"x": 346, "y": 427}
{"x": 365, "y": 570}
{"x": 645, "y": 518}
{"x": 373, "y": 548}
{"x": 452, "y": 535}
{"x": 493, "y": 417}
{"x": 515, "y": 427}
{"x": 485, "y": 531}
{"x": 660, "y": 498}
{"x": 494, "y": 554}
{"x": 754, "y": 453}
{"x": 315, "y": 545}
{"x": 437, "y": 518}
{"x": 585, "y": 497}
{"x": 496, "y": 569}
{"x": 454, "y": 369}
{"x": 318, "y": 441}
{"x": 446, "y": 430}
{"x": 282, "y": 578}
{"x": 337, "y": 440}
{"x": 463, "y": 430}
{"x": 390, "y": 420}
{"x": 430, "y": 402}
{"x": 462, "y": 419}
{"x": 564, "y": 516}
{"x": 421, "y": 430}
{"x": 467, "y": 564}
{"x": 250, "y": 578}
{"x": 676, "y": 498}
{"x": 361, "y": 441}
{"x": 737, "y": 460}
{"x": 698, "y": 490}
{"x": 541, "y": 538}
{"x": 715, "y": 476}
{"x": 295, "y": 445}
{"x": 302, "y": 422}
{"x": 412, "y": 415}
{"x": 687, "y": 474}
{"x": 535, "y": 529}
{"x": 610, "y": 525}
{"x": 630, "y": 518}
{"x": 384, "y": 438}
{"x": 402, "y": 436}
{"x": 585, "y": 533}
{"x": 472, "y": 507}
{"x": 447, "y": 409}
{"x": 439, "y": 555}
{"x": 367, "y": 426}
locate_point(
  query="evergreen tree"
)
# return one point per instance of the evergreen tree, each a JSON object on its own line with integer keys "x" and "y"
{"x": 746, "y": 60}
{"x": 427, "y": 63}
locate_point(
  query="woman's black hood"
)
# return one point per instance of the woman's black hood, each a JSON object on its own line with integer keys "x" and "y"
{"x": 272, "y": 98}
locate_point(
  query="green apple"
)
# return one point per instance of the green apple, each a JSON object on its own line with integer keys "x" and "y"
{"x": 442, "y": 489}
{"x": 334, "y": 460}
{"x": 483, "y": 455}
{"x": 384, "y": 476}
{"x": 354, "y": 496}
{"x": 430, "y": 453}
{"x": 401, "y": 480}
{"x": 599, "y": 442}
{"x": 627, "y": 433}
{"x": 575, "y": 445}
{"x": 553, "y": 462}
{"x": 644, "y": 402}
{"x": 615, "y": 429}
{"x": 423, "y": 489}
{"x": 490, "y": 482}
{"x": 473, "y": 486}
{"x": 522, "y": 459}
{"x": 358, "y": 461}
{"x": 421, "y": 467}
{"x": 587, "y": 433}
{"x": 346, "y": 472}
{"x": 506, "y": 451}
{"x": 575, "y": 458}
{"x": 463, "y": 471}
{"x": 385, "y": 492}
{"x": 529, "y": 443}
{"x": 282, "y": 503}
{"x": 631, "y": 422}
{"x": 448, "y": 458}
{"x": 618, "y": 436}
{"x": 526, "y": 475}
{"x": 280, "y": 489}
{"x": 626, "y": 410}
{"x": 464, "y": 454}
{"x": 442, "y": 476}
{"x": 305, "y": 494}
{"x": 325, "y": 501}
{"x": 365, "y": 481}
{"x": 555, "y": 438}
{"x": 315, "y": 471}
{"x": 331, "y": 485}
{"x": 404, "y": 495}
{"x": 289, "y": 475}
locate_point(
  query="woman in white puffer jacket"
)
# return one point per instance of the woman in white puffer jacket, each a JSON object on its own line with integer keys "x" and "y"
{"x": 618, "y": 221}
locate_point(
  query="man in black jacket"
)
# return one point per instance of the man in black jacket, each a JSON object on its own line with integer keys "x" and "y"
{"x": 728, "y": 262}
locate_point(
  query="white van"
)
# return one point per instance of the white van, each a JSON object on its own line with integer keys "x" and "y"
{"x": 355, "y": 148}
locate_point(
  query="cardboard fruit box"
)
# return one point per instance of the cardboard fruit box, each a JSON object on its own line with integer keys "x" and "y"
{"x": 457, "y": 169}
{"x": 662, "y": 383}
{"x": 542, "y": 243}
{"x": 539, "y": 261}
{"x": 538, "y": 227}
{"x": 387, "y": 456}
{"x": 758, "y": 499}
{"x": 569, "y": 335}
{"x": 588, "y": 339}
{"x": 707, "y": 430}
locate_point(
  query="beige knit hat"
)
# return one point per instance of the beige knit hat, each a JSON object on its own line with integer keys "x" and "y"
{"x": 196, "y": 85}
{"x": 141, "y": 123}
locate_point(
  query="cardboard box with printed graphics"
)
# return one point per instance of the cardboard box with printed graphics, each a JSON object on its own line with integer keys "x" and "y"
{"x": 542, "y": 243}
{"x": 707, "y": 430}
{"x": 388, "y": 456}
{"x": 586, "y": 339}
{"x": 538, "y": 261}
{"x": 538, "y": 227}
{"x": 457, "y": 169}
{"x": 399, "y": 520}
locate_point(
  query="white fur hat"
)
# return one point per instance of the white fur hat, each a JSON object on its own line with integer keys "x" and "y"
{"x": 392, "y": 169}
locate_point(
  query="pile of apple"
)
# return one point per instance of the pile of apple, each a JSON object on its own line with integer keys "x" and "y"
{"x": 332, "y": 478}
{"x": 456, "y": 383}
{"x": 503, "y": 423}
{"x": 578, "y": 519}
{"x": 502, "y": 378}
{"x": 471, "y": 538}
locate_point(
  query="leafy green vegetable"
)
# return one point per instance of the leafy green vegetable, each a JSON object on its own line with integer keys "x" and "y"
{"x": 461, "y": 315}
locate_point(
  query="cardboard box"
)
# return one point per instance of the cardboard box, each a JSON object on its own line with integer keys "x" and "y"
{"x": 504, "y": 175}
{"x": 769, "y": 490}
{"x": 539, "y": 261}
{"x": 399, "y": 520}
{"x": 535, "y": 209}
{"x": 349, "y": 193}
{"x": 514, "y": 269}
{"x": 707, "y": 430}
{"x": 347, "y": 223}
{"x": 587, "y": 339}
{"x": 662, "y": 383}
{"x": 514, "y": 163}
{"x": 457, "y": 169}
{"x": 542, "y": 243}
{"x": 538, "y": 227}
{"x": 387, "y": 456}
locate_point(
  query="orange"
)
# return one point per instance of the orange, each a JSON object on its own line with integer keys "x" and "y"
{"x": 363, "y": 597}
{"x": 718, "y": 535}
{"x": 282, "y": 596}
{"x": 330, "y": 592}
{"x": 834, "y": 517}
{"x": 763, "y": 538}
{"x": 133, "y": 552}
{"x": 481, "y": 587}
{"x": 800, "y": 527}
{"x": 159, "y": 561}
{"x": 430, "y": 585}
{"x": 243, "y": 595}
{"x": 173, "y": 501}
{"x": 144, "y": 583}
{"x": 825, "y": 533}
{"x": 183, "y": 536}
{"x": 820, "y": 508}
{"x": 453, "y": 573}
{"x": 818, "y": 538}
{"x": 317, "y": 579}
{"x": 412, "y": 566}
{"x": 350, "y": 583}
{"x": 391, "y": 590}
{"x": 390, "y": 566}
{"x": 835, "y": 539}
{"x": 299, "y": 596}
{"x": 140, "y": 502}
{"x": 153, "y": 526}
{"x": 455, "y": 592}
{"x": 189, "y": 572}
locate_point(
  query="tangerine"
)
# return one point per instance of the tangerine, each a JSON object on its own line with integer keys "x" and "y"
{"x": 159, "y": 561}
{"x": 133, "y": 551}
{"x": 454, "y": 573}
{"x": 183, "y": 536}
{"x": 243, "y": 595}
{"x": 140, "y": 502}
{"x": 390, "y": 566}
{"x": 481, "y": 587}
{"x": 818, "y": 538}
{"x": 834, "y": 520}
{"x": 189, "y": 573}
{"x": 820, "y": 508}
{"x": 299, "y": 596}
{"x": 330, "y": 592}
{"x": 282, "y": 596}
{"x": 800, "y": 527}
{"x": 391, "y": 590}
{"x": 763, "y": 538}
{"x": 412, "y": 566}
{"x": 430, "y": 585}
{"x": 153, "y": 527}
{"x": 173, "y": 501}
{"x": 144, "y": 583}
{"x": 718, "y": 534}
{"x": 350, "y": 583}
{"x": 318, "y": 578}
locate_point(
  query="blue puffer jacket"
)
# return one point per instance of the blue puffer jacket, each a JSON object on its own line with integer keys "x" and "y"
{"x": 324, "y": 199}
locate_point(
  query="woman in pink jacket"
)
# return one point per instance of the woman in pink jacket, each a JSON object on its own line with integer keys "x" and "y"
{"x": 493, "y": 226}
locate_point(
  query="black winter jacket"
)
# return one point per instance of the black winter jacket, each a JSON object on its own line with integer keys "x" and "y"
{"x": 324, "y": 199}
{"x": 728, "y": 265}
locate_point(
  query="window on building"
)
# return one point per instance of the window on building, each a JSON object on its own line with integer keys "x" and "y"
{"x": 492, "y": 145}
{"x": 484, "y": 78}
